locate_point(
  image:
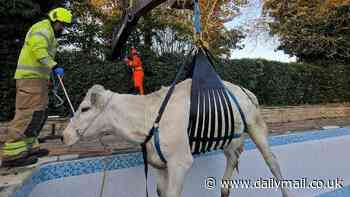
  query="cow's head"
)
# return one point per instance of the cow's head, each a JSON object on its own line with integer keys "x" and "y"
{"x": 90, "y": 119}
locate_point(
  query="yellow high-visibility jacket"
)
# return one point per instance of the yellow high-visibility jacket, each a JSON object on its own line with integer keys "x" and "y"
{"x": 38, "y": 52}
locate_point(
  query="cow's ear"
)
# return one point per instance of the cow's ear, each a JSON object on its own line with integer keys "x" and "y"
{"x": 96, "y": 96}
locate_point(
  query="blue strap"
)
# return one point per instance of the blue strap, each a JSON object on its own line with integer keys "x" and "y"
{"x": 235, "y": 135}
{"x": 154, "y": 130}
{"x": 157, "y": 144}
{"x": 197, "y": 17}
{"x": 239, "y": 109}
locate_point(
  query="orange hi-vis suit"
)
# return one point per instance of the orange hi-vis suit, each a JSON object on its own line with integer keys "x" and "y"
{"x": 134, "y": 62}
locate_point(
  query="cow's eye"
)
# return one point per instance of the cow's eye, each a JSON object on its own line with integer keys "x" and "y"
{"x": 84, "y": 109}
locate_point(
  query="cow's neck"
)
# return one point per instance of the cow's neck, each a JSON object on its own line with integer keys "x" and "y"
{"x": 132, "y": 117}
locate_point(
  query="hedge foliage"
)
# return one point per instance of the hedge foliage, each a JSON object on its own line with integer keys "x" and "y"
{"x": 274, "y": 83}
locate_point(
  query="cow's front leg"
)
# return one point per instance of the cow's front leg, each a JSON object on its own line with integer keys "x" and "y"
{"x": 162, "y": 178}
{"x": 177, "y": 171}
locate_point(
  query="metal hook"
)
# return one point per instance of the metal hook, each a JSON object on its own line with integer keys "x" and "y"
{"x": 58, "y": 98}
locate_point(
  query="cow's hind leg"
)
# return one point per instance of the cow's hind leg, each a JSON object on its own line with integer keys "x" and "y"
{"x": 258, "y": 133}
{"x": 232, "y": 153}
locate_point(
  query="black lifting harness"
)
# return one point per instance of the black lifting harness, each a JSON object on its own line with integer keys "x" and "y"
{"x": 211, "y": 121}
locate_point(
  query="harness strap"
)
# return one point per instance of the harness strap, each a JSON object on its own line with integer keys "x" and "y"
{"x": 169, "y": 93}
{"x": 157, "y": 144}
{"x": 197, "y": 17}
{"x": 144, "y": 155}
{"x": 154, "y": 131}
{"x": 232, "y": 96}
{"x": 239, "y": 109}
{"x": 149, "y": 136}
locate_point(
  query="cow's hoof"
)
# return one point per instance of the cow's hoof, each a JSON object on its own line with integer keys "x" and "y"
{"x": 225, "y": 193}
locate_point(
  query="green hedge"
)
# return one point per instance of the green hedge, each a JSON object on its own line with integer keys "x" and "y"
{"x": 277, "y": 83}
{"x": 274, "y": 83}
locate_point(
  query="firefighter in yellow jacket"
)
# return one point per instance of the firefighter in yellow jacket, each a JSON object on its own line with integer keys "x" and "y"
{"x": 35, "y": 64}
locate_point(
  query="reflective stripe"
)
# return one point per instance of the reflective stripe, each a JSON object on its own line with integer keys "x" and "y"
{"x": 44, "y": 33}
{"x": 41, "y": 69}
{"x": 15, "y": 152}
{"x": 14, "y": 145}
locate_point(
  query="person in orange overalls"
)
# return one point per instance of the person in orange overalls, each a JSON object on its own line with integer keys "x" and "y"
{"x": 134, "y": 62}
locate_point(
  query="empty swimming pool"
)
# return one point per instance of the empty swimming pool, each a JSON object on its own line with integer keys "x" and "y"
{"x": 315, "y": 162}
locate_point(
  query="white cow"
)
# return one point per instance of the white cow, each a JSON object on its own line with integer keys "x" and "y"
{"x": 132, "y": 116}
